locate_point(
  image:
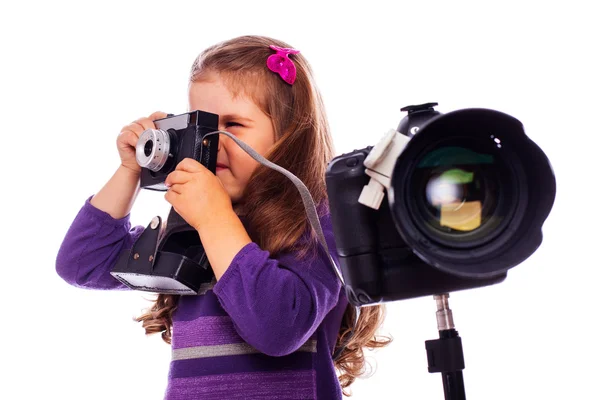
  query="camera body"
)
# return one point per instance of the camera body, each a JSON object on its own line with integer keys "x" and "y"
{"x": 170, "y": 258}
{"x": 158, "y": 151}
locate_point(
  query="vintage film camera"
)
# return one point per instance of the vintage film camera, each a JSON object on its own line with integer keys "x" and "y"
{"x": 170, "y": 258}
{"x": 467, "y": 194}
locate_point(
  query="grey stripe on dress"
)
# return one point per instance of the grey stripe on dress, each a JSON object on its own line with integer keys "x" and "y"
{"x": 234, "y": 349}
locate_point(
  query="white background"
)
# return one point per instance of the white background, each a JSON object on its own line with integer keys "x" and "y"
{"x": 72, "y": 74}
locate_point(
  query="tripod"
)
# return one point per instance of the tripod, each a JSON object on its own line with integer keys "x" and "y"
{"x": 445, "y": 355}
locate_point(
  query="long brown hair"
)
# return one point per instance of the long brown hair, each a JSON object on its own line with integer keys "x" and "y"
{"x": 271, "y": 205}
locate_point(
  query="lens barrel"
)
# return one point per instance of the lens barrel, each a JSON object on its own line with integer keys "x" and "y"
{"x": 152, "y": 149}
{"x": 470, "y": 193}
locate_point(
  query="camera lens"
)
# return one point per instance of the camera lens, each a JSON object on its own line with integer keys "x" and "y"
{"x": 460, "y": 193}
{"x": 470, "y": 192}
{"x": 152, "y": 149}
{"x": 148, "y": 148}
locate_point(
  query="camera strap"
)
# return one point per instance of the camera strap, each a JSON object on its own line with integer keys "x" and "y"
{"x": 307, "y": 200}
{"x": 313, "y": 219}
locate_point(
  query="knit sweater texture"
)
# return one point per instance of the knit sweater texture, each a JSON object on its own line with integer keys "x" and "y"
{"x": 266, "y": 330}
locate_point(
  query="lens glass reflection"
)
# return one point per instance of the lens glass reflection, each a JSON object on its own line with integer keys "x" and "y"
{"x": 457, "y": 190}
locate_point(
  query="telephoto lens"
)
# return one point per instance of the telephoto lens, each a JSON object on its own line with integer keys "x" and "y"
{"x": 471, "y": 191}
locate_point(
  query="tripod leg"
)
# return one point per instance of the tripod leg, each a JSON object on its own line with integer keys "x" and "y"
{"x": 454, "y": 386}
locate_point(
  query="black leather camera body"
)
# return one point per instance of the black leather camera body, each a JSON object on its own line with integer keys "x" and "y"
{"x": 177, "y": 137}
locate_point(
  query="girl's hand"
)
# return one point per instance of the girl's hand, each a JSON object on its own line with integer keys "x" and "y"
{"x": 128, "y": 138}
{"x": 197, "y": 194}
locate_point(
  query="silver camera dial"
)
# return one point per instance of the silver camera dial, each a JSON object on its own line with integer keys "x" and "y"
{"x": 152, "y": 149}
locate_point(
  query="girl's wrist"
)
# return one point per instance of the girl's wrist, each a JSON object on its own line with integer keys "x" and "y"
{"x": 216, "y": 220}
{"x": 129, "y": 171}
{"x": 222, "y": 237}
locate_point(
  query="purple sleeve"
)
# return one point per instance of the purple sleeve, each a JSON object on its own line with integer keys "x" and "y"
{"x": 91, "y": 247}
{"x": 277, "y": 304}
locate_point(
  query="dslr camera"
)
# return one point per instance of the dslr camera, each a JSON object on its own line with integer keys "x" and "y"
{"x": 445, "y": 202}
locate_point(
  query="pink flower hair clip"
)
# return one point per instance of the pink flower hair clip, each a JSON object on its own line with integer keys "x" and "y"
{"x": 281, "y": 64}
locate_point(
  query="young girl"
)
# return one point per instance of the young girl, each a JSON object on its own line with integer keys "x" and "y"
{"x": 277, "y": 315}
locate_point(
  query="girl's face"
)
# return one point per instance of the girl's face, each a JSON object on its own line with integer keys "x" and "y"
{"x": 240, "y": 116}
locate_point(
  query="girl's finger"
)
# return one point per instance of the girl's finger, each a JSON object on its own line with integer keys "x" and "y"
{"x": 144, "y": 123}
{"x": 134, "y": 127}
{"x": 190, "y": 165}
{"x": 170, "y": 196}
{"x": 157, "y": 115}
{"x": 131, "y": 138}
{"x": 127, "y": 138}
{"x": 148, "y": 122}
{"x": 177, "y": 177}
{"x": 176, "y": 188}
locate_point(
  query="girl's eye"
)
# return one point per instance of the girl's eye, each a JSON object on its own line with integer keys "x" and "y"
{"x": 228, "y": 124}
